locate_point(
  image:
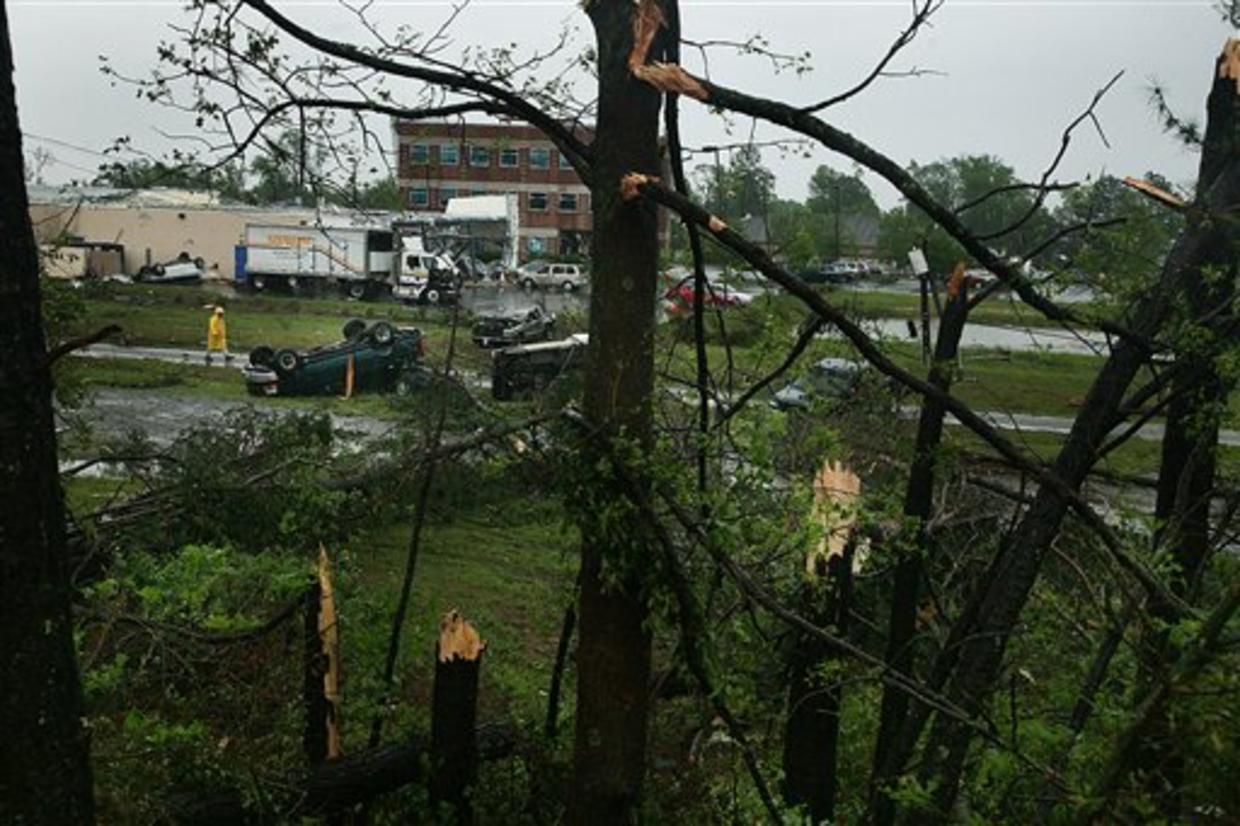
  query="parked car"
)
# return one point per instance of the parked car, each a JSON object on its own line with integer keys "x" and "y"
{"x": 507, "y": 329}
{"x": 546, "y": 275}
{"x": 385, "y": 359}
{"x": 530, "y": 368}
{"x": 831, "y": 379}
{"x": 181, "y": 270}
{"x": 717, "y": 294}
{"x": 836, "y": 272}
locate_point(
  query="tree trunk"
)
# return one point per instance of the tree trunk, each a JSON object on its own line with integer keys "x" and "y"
{"x": 918, "y": 498}
{"x": 613, "y": 652}
{"x": 812, "y": 730}
{"x": 44, "y": 755}
{"x": 333, "y": 787}
{"x": 1009, "y": 581}
{"x": 1186, "y": 477}
{"x": 557, "y": 672}
{"x": 314, "y": 666}
{"x": 454, "y": 713}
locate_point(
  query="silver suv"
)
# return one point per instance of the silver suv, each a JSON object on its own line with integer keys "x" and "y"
{"x": 544, "y": 274}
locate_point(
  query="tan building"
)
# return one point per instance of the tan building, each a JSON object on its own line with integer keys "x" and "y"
{"x": 157, "y": 225}
{"x": 437, "y": 162}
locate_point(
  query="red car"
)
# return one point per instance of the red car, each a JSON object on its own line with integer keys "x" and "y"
{"x": 679, "y": 296}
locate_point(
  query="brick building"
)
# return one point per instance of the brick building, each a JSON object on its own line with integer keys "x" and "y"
{"x": 440, "y": 161}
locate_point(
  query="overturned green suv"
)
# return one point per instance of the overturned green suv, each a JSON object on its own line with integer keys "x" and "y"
{"x": 384, "y": 359}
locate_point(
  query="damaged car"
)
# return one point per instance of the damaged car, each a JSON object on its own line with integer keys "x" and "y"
{"x": 507, "y": 329}
{"x": 529, "y": 369}
{"x": 372, "y": 358}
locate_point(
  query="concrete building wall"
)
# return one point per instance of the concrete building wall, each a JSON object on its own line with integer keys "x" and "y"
{"x": 159, "y": 234}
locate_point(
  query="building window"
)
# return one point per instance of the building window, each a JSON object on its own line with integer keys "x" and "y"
{"x": 540, "y": 159}
{"x": 449, "y": 154}
{"x": 564, "y": 164}
{"x": 419, "y": 154}
{"x": 538, "y": 202}
{"x": 509, "y": 158}
{"x": 536, "y": 245}
{"x": 568, "y": 202}
{"x": 479, "y": 192}
{"x": 419, "y": 197}
{"x": 479, "y": 156}
{"x": 446, "y": 194}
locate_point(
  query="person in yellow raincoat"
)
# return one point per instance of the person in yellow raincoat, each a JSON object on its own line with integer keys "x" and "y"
{"x": 217, "y": 335}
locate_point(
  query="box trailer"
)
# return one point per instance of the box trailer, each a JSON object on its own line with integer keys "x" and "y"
{"x": 358, "y": 261}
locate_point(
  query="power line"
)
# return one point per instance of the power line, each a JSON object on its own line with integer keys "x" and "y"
{"x": 65, "y": 144}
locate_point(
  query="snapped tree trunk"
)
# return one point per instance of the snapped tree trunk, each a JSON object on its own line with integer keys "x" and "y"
{"x": 1189, "y": 459}
{"x": 613, "y": 651}
{"x": 454, "y": 712}
{"x": 918, "y": 498}
{"x": 1009, "y": 580}
{"x": 44, "y": 757}
{"x": 812, "y": 730}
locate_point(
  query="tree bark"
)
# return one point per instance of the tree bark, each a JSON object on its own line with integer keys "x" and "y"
{"x": 454, "y": 712}
{"x": 613, "y": 652}
{"x": 812, "y": 730}
{"x": 334, "y": 786}
{"x": 918, "y": 498}
{"x": 314, "y": 666}
{"x": 1189, "y": 459}
{"x": 44, "y": 756}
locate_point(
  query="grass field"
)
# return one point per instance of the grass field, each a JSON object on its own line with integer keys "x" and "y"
{"x": 1028, "y": 382}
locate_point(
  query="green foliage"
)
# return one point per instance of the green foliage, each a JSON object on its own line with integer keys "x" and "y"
{"x": 164, "y": 711}
{"x": 63, "y": 312}
{"x": 1121, "y": 261}
{"x": 741, "y": 187}
{"x": 965, "y": 181}
{"x": 142, "y": 173}
{"x": 253, "y": 482}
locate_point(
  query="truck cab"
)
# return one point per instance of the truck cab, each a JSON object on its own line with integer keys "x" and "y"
{"x": 424, "y": 277}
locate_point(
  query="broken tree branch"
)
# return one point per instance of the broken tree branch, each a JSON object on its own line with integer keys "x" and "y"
{"x": 67, "y": 347}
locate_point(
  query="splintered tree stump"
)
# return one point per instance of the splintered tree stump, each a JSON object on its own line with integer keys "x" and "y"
{"x": 314, "y": 736}
{"x": 454, "y": 749}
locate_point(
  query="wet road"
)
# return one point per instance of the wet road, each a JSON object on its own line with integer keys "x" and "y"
{"x": 995, "y": 337}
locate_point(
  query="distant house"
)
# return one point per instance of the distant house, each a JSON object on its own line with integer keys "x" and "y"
{"x": 860, "y": 235}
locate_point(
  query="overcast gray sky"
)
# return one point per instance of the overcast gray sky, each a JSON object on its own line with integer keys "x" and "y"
{"x": 1015, "y": 73}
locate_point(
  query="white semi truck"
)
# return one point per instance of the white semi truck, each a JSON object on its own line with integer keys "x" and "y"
{"x": 357, "y": 261}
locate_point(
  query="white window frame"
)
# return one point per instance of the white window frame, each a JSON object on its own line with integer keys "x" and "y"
{"x": 456, "y": 154}
{"x": 516, "y": 158}
{"x": 447, "y": 193}
{"x": 413, "y": 196}
{"x": 546, "y": 202}
{"x": 564, "y": 162}
{"x": 545, "y": 153}
{"x": 576, "y": 202}
{"x": 413, "y": 154}
{"x": 474, "y": 150}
